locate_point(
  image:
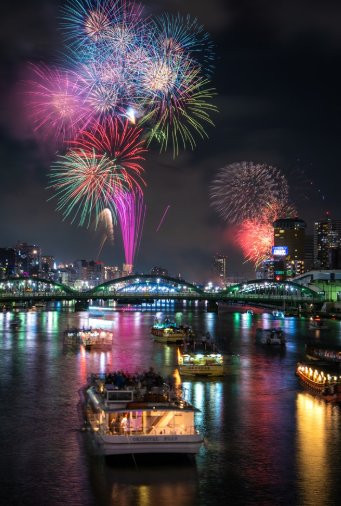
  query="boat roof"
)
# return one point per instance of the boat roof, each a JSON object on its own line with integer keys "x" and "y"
{"x": 330, "y": 367}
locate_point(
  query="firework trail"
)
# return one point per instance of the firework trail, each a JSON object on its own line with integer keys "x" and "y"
{"x": 131, "y": 210}
{"x": 105, "y": 222}
{"x": 240, "y": 191}
{"x": 162, "y": 218}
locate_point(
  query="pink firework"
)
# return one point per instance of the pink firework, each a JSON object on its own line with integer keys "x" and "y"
{"x": 56, "y": 103}
{"x": 130, "y": 210}
{"x": 118, "y": 141}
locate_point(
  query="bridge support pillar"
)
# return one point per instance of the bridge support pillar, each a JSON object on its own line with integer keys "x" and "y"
{"x": 81, "y": 305}
{"x": 212, "y": 306}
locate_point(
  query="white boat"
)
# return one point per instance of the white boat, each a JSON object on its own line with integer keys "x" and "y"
{"x": 89, "y": 338}
{"x": 144, "y": 415}
{"x": 168, "y": 332}
{"x": 270, "y": 337}
{"x": 278, "y": 314}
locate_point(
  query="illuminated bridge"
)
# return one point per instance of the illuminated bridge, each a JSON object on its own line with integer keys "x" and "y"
{"x": 148, "y": 288}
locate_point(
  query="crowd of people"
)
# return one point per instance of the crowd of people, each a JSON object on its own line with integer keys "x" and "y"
{"x": 147, "y": 379}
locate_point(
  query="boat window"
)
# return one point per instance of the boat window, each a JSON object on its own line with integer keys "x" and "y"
{"x": 119, "y": 395}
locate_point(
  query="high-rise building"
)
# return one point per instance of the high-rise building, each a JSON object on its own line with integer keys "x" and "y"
{"x": 7, "y": 262}
{"x": 28, "y": 259}
{"x": 327, "y": 244}
{"x": 309, "y": 252}
{"x": 111, "y": 272}
{"x": 266, "y": 269}
{"x": 289, "y": 247}
{"x": 220, "y": 267}
{"x": 47, "y": 265}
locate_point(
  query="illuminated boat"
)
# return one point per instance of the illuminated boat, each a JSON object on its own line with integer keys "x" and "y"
{"x": 168, "y": 332}
{"x": 278, "y": 314}
{"x": 89, "y": 338}
{"x": 316, "y": 323}
{"x": 321, "y": 378}
{"x": 140, "y": 415}
{"x": 323, "y": 352}
{"x": 198, "y": 360}
{"x": 270, "y": 337}
{"x": 250, "y": 312}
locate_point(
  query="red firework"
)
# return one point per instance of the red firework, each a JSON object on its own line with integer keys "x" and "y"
{"x": 255, "y": 237}
{"x": 118, "y": 141}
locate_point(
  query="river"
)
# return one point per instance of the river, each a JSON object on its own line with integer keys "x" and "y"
{"x": 267, "y": 441}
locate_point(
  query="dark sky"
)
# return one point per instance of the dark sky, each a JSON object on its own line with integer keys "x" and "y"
{"x": 278, "y": 79}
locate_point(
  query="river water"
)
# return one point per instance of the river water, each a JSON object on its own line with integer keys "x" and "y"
{"x": 267, "y": 442}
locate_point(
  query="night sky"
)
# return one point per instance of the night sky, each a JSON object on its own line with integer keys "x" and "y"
{"x": 278, "y": 80}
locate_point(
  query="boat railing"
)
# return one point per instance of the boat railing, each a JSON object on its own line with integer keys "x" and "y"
{"x": 189, "y": 430}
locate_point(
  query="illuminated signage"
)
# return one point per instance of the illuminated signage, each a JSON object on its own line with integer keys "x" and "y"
{"x": 280, "y": 251}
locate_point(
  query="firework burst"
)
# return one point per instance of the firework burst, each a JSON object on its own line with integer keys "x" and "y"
{"x": 84, "y": 184}
{"x": 118, "y": 142}
{"x": 241, "y": 191}
{"x": 55, "y": 103}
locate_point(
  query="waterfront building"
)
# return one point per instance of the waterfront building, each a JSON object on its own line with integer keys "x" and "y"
{"x": 28, "y": 259}
{"x": 266, "y": 269}
{"x": 159, "y": 271}
{"x": 308, "y": 252}
{"x": 327, "y": 244}
{"x": 289, "y": 247}
{"x": 220, "y": 268}
{"x": 111, "y": 272}
{"x": 7, "y": 262}
{"x": 47, "y": 265}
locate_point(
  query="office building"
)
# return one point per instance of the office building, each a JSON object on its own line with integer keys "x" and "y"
{"x": 7, "y": 262}
{"x": 327, "y": 244}
{"x": 220, "y": 268}
{"x": 289, "y": 248}
{"x": 28, "y": 259}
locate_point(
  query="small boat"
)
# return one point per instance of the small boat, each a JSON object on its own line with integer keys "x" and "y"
{"x": 316, "y": 323}
{"x": 321, "y": 378}
{"x": 250, "y": 312}
{"x": 278, "y": 314}
{"x": 270, "y": 337}
{"x": 168, "y": 332}
{"x": 139, "y": 414}
{"x": 197, "y": 359}
{"x": 15, "y": 323}
{"x": 323, "y": 352}
{"x": 89, "y": 338}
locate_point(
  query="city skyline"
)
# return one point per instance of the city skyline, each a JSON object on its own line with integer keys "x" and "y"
{"x": 262, "y": 118}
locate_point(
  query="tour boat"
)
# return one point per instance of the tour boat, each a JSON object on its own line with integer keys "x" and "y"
{"x": 198, "y": 360}
{"x": 136, "y": 414}
{"x": 168, "y": 332}
{"x": 89, "y": 338}
{"x": 323, "y": 352}
{"x": 270, "y": 337}
{"x": 278, "y": 314}
{"x": 321, "y": 378}
{"x": 316, "y": 323}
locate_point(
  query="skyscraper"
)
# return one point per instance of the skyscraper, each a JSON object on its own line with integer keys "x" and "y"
{"x": 220, "y": 267}
{"x": 327, "y": 244}
{"x": 28, "y": 259}
{"x": 289, "y": 247}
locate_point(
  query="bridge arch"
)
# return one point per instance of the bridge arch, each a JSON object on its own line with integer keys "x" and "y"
{"x": 146, "y": 284}
{"x": 33, "y": 285}
{"x": 271, "y": 287}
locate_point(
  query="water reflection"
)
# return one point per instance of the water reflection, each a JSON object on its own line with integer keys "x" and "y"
{"x": 317, "y": 424}
{"x": 265, "y": 443}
